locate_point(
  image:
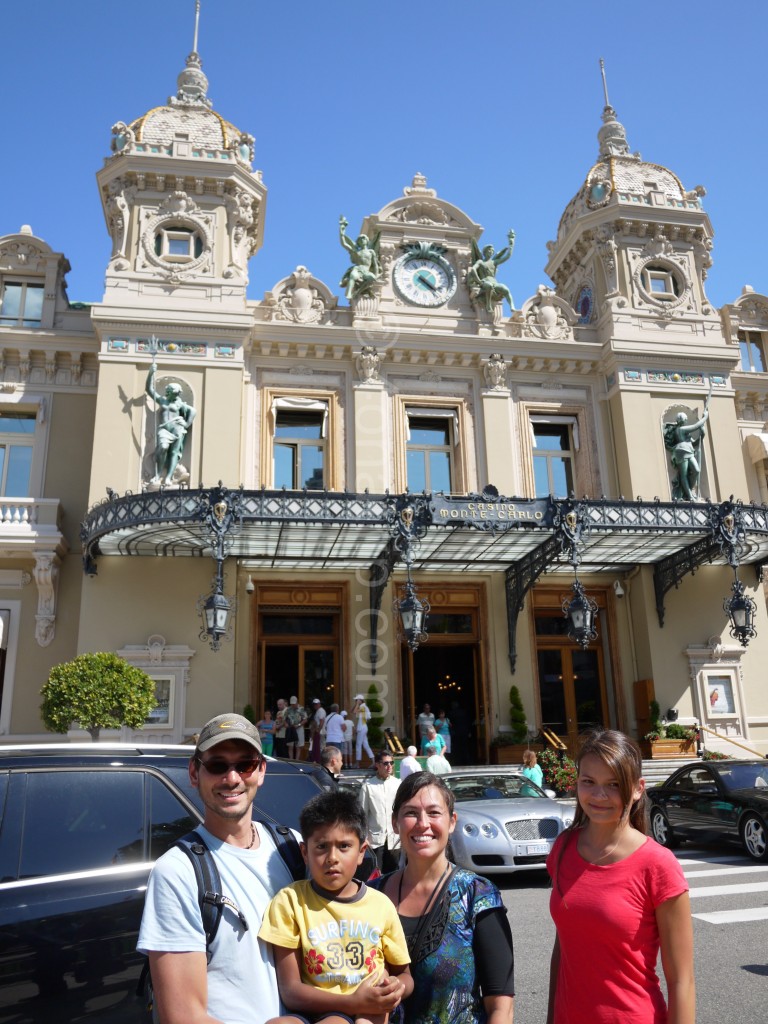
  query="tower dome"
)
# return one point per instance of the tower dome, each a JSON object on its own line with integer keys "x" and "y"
{"x": 623, "y": 177}
{"x": 188, "y": 115}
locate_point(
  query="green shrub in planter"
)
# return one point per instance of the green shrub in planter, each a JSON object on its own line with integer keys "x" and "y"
{"x": 517, "y": 717}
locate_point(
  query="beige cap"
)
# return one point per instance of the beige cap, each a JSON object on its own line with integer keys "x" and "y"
{"x": 228, "y": 727}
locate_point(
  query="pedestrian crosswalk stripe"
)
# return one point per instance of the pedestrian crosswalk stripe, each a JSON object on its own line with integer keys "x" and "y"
{"x": 728, "y": 890}
{"x": 734, "y": 916}
{"x": 725, "y": 859}
{"x": 727, "y": 872}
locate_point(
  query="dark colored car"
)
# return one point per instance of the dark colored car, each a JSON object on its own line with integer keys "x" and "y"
{"x": 80, "y": 826}
{"x": 714, "y": 800}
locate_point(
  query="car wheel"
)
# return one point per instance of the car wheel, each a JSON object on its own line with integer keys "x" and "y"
{"x": 754, "y": 836}
{"x": 661, "y": 830}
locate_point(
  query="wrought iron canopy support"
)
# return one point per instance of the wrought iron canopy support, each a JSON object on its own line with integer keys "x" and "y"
{"x": 518, "y": 580}
{"x": 378, "y": 575}
{"x": 727, "y": 538}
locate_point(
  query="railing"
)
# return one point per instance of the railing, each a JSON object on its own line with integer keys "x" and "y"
{"x": 553, "y": 739}
{"x": 29, "y": 513}
{"x": 727, "y": 739}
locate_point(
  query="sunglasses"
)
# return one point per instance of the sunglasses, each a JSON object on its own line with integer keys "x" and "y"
{"x": 388, "y": 764}
{"x": 218, "y": 766}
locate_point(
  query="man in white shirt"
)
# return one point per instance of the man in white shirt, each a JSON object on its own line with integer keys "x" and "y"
{"x": 377, "y": 795}
{"x": 437, "y": 763}
{"x": 239, "y": 985}
{"x": 334, "y": 727}
{"x": 409, "y": 764}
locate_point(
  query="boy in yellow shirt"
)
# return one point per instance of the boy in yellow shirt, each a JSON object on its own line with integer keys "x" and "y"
{"x": 339, "y": 947}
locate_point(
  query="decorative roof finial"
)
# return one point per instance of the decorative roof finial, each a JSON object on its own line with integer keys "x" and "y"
{"x": 602, "y": 72}
{"x": 612, "y": 137}
{"x": 197, "y": 26}
{"x": 192, "y": 83}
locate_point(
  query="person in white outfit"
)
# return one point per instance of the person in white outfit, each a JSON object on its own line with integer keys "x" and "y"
{"x": 409, "y": 764}
{"x": 349, "y": 732}
{"x": 361, "y": 715}
{"x": 437, "y": 763}
{"x": 333, "y": 727}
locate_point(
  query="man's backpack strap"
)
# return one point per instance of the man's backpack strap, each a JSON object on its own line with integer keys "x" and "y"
{"x": 209, "y": 895}
{"x": 288, "y": 848}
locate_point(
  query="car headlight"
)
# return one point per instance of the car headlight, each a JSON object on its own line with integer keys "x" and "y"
{"x": 489, "y": 830}
{"x": 470, "y": 829}
{"x": 567, "y": 822}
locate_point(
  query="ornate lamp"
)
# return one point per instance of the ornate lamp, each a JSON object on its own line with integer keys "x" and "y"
{"x": 741, "y": 612}
{"x": 413, "y": 615}
{"x": 581, "y": 612}
{"x": 216, "y": 614}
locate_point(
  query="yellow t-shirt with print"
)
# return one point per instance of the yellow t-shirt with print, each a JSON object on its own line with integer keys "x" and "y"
{"x": 342, "y": 941}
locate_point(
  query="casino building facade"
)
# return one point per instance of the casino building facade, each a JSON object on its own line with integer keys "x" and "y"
{"x": 348, "y": 456}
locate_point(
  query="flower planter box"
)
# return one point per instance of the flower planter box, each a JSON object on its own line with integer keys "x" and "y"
{"x": 667, "y": 749}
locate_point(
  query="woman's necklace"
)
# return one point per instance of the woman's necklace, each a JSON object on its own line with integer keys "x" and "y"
{"x": 606, "y": 853}
{"x": 432, "y": 894}
{"x": 253, "y": 837}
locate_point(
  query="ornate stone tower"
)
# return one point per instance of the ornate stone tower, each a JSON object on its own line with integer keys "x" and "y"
{"x": 632, "y": 240}
{"x": 183, "y": 207}
{"x": 185, "y": 212}
{"x": 631, "y": 256}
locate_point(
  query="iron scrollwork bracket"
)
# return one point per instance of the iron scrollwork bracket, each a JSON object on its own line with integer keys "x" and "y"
{"x": 728, "y": 530}
{"x": 221, "y": 511}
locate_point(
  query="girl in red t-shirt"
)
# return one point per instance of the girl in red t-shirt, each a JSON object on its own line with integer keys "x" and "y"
{"x": 617, "y": 899}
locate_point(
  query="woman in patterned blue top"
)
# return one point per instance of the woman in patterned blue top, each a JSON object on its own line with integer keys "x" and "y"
{"x": 454, "y": 921}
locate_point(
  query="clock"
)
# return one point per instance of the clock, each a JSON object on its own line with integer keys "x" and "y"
{"x": 424, "y": 279}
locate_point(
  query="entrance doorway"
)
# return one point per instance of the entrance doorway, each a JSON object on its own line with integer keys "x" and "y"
{"x": 444, "y": 676}
{"x": 298, "y": 652}
{"x": 572, "y": 692}
{"x": 447, "y": 672}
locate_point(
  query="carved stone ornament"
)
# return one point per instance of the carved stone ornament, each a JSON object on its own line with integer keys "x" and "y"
{"x": 366, "y": 307}
{"x": 22, "y": 256}
{"x": 598, "y": 191}
{"x": 123, "y": 139}
{"x": 118, "y": 202}
{"x": 420, "y": 210}
{"x": 368, "y": 364}
{"x": 46, "y": 572}
{"x": 495, "y": 372}
{"x": 178, "y": 210}
{"x": 241, "y": 228}
{"x": 300, "y": 299}
{"x": 546, "y": 315}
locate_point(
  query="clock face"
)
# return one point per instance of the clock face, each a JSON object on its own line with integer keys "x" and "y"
{"x": 424, "y": 281}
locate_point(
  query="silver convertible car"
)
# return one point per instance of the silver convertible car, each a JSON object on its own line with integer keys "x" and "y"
{"x": 505, "y": 822}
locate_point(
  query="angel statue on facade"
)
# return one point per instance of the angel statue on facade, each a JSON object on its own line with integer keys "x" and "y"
{"x": 684, "y": 444}
{"x": 481, "y": 276}
{"x": 365, "y": 271}
{"x": 173, "y": 419}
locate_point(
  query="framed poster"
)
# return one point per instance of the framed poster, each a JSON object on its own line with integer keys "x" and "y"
{"x": 720, "y": 696}
{"x": 161, "y": 715}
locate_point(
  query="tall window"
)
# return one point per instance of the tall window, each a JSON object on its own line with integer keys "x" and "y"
{"x": 553, "y": 454}
{"x": 429, "y": 451}
{"x": 299, "y": 449}
{"x": 752, "y": 351}
{"x": 16, "y": 446}
{"x": 21, "y": 304}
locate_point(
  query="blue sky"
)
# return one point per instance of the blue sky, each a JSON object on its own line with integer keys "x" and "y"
{"x": 497, "y": 103}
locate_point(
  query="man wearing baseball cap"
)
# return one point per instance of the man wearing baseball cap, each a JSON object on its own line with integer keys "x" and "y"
{"x": 239, "y": 984}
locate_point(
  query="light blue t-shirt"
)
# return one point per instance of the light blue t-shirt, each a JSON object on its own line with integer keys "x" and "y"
{"x": 535, "y": 774}
{"x": 242, "y": 982}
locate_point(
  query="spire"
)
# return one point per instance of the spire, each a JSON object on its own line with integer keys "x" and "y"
{"x": 612, "y": 137}
{"x": 192, "y": 83}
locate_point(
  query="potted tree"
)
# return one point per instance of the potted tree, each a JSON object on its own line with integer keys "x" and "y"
{"x": 509, "y": 746}
{"x": 98, "y": 691}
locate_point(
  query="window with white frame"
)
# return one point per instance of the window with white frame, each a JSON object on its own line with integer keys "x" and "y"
{"x": 21, "y": 304}
{"x": 661, "y": 282}
{"x": 178, "y": 244}
{"x": 430, "y": 441}
{"x": 299, "y": 446}
{"x": 17, "y": 438}
{"x": 554, "y": 443}
{"x": 752, "y": 348}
